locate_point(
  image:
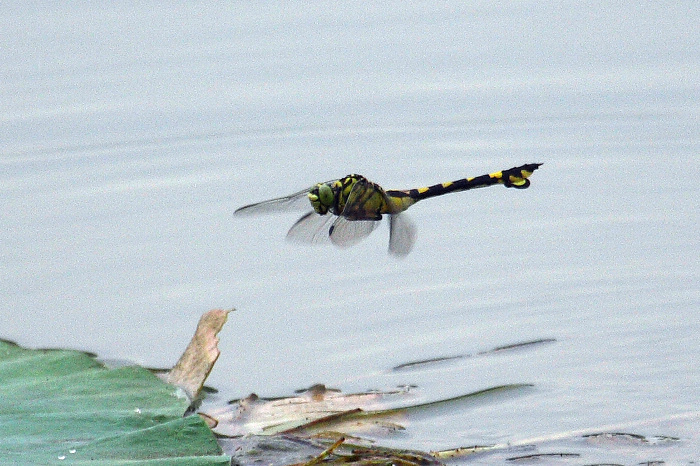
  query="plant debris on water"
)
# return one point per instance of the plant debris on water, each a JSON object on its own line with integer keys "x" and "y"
{"x": 65, "y": 405}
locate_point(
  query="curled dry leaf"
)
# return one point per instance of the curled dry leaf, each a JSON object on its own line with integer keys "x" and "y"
{"x": 196, "y": 362}
{"x": 254, "y": 415}
{"x": 319, "y": 409}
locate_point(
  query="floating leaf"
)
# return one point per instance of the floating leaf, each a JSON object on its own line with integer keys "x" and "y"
{"x": 269, "y": 416}
{"x": 64, "y": 405}
{"x": 358, "y": 418}
{"x": 319, "y": 409}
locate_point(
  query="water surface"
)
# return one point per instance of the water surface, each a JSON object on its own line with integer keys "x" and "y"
{"x": 130, "y": 133}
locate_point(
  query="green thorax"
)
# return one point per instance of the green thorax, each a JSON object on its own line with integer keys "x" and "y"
{"x": 354, "y": 197}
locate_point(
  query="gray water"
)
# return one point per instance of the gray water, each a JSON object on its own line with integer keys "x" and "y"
{"x": 130, "y": 132}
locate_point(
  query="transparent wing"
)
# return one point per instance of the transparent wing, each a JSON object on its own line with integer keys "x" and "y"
{"x": 345, "y": 233}
{"x": 311, "y": 228}
{"x": 402, "y": 234}
{"x": 296, "y": 201}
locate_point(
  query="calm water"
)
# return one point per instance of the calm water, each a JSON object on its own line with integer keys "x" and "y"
{"x": 130, "y": 134}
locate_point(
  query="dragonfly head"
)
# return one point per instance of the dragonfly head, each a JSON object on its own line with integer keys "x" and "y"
{"x": 322, "y": 198}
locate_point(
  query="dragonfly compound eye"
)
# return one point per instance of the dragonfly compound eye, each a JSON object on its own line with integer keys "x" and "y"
{"x": 325, "y": 195}
{"x": 316, "y": 199}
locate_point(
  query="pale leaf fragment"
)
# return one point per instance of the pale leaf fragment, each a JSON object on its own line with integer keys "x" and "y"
{"x": 197, "y": 361}
{"x": 254, "y": 415}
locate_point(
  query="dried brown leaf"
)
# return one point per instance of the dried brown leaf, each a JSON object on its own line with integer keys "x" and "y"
{"x": 315, "y": 405}
{"x": 197, "y": 361}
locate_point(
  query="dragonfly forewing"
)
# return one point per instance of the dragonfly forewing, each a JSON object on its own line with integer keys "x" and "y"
{"x": 291, "y": 202}
{"x": 296, "y": 201}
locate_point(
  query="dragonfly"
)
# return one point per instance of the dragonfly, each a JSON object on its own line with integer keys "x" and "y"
{"x": 347, "y": 210}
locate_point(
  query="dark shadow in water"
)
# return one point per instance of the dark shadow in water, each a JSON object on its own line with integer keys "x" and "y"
{"x": 497, "y": 349}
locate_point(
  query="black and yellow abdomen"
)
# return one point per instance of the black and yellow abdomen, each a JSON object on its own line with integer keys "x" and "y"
{"x": 516, "y": 177}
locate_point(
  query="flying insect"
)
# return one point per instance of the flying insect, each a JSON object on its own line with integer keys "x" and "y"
{"x": 348, "y": 209}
